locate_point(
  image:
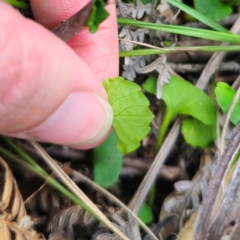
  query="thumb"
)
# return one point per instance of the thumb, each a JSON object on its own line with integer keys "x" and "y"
{"x": 81, "y": 121}
{"x": 47, "y": 91}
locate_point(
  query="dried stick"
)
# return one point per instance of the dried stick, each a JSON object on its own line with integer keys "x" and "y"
{"x": 72, "y": 26}
{"x": 215, "y": 60}
{"x": 75, "y": 189}
{"x": 204, "y": 217}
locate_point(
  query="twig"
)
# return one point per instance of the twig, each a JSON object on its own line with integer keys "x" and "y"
{"x": 112, "y": 198}
{"x": 75, "y": 189}
{"x": 215, "y": 60}
{"x": 203, "y": 221}
{"x": 72, "y": 26}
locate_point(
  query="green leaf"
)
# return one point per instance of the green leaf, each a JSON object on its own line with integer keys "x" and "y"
{"x": 132, "y": 116}
{"x": 181, "y": 97}
{"x": 107, "y": 162}
{"x": 214, "y": 9}
{"x": 224, "y": 96}
{"x": 150, "y": 85}
{"x": 146, "y": 1}
{"x": 98, "y": 15}
{"x": 206, "y": 19}
{"x": 18, "y": 4}
{"x": 198, "y": 134}
{"x": 146, "y": 214}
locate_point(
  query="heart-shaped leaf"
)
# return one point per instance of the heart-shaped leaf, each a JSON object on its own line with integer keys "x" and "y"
{"x": 181, "y": 97}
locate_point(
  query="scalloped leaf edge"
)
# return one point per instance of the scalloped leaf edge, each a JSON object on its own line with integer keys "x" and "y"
{"x": 136, "y": 101}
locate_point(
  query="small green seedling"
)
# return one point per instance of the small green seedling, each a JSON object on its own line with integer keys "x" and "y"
{"x": 182, "y": 98}
{"x": 224, "y": 96}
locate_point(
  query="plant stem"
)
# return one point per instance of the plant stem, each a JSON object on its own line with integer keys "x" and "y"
{"x": 162, "y": 132}
{"x": 151, "y": 51}
{"x": 18, "y": 4}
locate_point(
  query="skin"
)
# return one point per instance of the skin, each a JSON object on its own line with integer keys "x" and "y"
{"x": 50, "y": 90}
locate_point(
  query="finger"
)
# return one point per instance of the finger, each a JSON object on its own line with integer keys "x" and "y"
{"x": 99, "y": 50}
{"x": 46, "y": 90}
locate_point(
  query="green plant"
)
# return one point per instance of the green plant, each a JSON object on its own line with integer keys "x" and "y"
{"x": 131, "y": 113}
{"x": 181, "y": 97}
{"x": 131, "y": 124}
{"x": 107, "y": 157}
{"x": 130, "y": 107}
{"x": 188, "y": 31}
{"x": 132, "y": 118}
{"x": 145, "y": 213}
{"x": 17, "y": 4}
{"x": 224, "y": 96}
{"x": 215, "y": 9}
{"x": 98, "y": 15}
{"x": 199, "y": 15}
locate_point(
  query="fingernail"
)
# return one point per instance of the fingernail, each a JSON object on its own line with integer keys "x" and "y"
{"x": 83, "y": 119}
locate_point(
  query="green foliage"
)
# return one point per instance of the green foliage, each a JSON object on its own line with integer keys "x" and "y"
{"x": 98, "y": 15}
{"x": 206, "y": 19}
{"x": 188, "y": 31}
{"x": 146, "y": 1}
{"x": 107, "y": 162}
{"x": 150, "y": 85}
{"x": 181, "y": 97}
{"x": 18, "y": 4}
{"x": 198, "y": 134}
{"x": 214, "y": 9}
{"x": 131, "y": 113}
{"x": 146, "y": 214}
{"x": 224, "y": 96}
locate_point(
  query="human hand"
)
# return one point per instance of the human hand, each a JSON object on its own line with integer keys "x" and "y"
{"x": 49, "y": 90}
